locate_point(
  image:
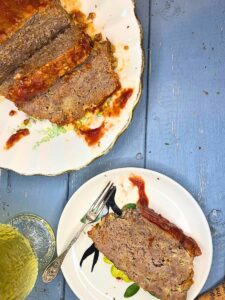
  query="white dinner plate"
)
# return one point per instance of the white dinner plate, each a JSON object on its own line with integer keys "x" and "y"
{"x": 166, "y": 197}
{"x": 50, "y": 149}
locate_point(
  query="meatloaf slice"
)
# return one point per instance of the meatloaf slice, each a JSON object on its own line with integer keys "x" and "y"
{"x": 88, "y": 86}
{"x": 69, "y": 49}
{"x": 150, "y": 256}
{"x": 14, "y": 13}
{"x": 36, "y": 28}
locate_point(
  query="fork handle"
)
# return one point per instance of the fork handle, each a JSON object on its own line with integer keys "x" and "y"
{"x": 53, "y": 268}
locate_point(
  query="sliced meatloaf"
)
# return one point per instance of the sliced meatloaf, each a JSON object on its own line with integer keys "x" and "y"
{"x": 153, "y": 252}
{"x": 27, "y": 26}
{"x": 14, "y": 13}
{"x": 85, "y": 88}
{"x": 69, "y": 49}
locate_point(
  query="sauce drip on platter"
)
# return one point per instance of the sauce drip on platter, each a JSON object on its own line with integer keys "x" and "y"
{"x": 119, "y": 103}
{"x": 12, "y": 113}
{"x": 140, "y": 184}
{"x": 93, "y": 136}
{"x": 16, "y": 137}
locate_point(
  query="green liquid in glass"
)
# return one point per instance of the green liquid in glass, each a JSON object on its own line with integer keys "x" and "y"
{"x": 18, "y": 264}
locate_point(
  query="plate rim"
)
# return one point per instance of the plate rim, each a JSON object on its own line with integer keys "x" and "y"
{"x": 110, "y": 147}
{"x": 145, "y": 170}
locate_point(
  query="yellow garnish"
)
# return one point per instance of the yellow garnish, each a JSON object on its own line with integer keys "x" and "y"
{"x": 107, "y": 261}
{"x": 116, "y": 272}
{"x": 119, "y": 274}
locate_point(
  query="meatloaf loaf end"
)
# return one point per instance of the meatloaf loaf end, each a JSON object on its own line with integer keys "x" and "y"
{"x": 19, "y": 40}
{"x": 87, "y": 87}
{"x": 150, "y": 256}
{"x": 69, "y": 49}
{"x": 14, "y": 13}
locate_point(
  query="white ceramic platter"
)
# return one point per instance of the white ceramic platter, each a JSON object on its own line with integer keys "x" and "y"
{"x": 51, "y": 150}
{"x": 166, "y": 197}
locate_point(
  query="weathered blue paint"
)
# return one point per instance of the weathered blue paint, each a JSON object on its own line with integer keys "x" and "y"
{"x": 177, "y": 128}
{"x": 186, "y": 112}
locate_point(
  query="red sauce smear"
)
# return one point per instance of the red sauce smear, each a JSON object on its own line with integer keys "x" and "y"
{"x": 93, "y": 136}
{"x": 13, "y": 13}
{"x": 187, "y": 242}
{"x": 119, "y": 103}
{"x": 140, "y": 184}
{"x": 16, "y": 137}
{"x": 30, "y": 85}
{"x": 12, "y": 113}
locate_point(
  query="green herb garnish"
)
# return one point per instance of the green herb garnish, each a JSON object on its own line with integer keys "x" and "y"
{"x": 129, "y": 206}
{"x": 131, "y": 290}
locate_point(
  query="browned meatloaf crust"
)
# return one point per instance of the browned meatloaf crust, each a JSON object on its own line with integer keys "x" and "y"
{"x": 88, "y": 86}
{"x": 69, "y": 49}
{"x": 24, "y": 33}
{"x": 151, "y": 256}
{"x": 14, "y": 13}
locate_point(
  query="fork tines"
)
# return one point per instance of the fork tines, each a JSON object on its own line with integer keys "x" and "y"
{"x": 101, "y": 201}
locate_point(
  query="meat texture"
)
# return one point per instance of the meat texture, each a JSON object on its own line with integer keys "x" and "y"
{"x": 37, "y": 74}
{"x": 49, "y": 67}
{"x": 149, "y": 255}
{"x": 26, "y": 27}
{"x": 85, "y": 88}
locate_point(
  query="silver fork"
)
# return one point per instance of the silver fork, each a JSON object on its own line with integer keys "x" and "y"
{"x": 92, "y": 214}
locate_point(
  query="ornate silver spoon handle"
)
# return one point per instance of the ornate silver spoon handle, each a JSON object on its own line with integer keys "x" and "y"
{"x": 53, "y": 268}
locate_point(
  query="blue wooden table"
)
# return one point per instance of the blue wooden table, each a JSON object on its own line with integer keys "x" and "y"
{"x": 178, "y": 128}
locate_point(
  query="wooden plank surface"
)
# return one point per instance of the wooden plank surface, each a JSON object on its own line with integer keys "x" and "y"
{"x": 186, "y": 114}
{"x": 177, "y": 128}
